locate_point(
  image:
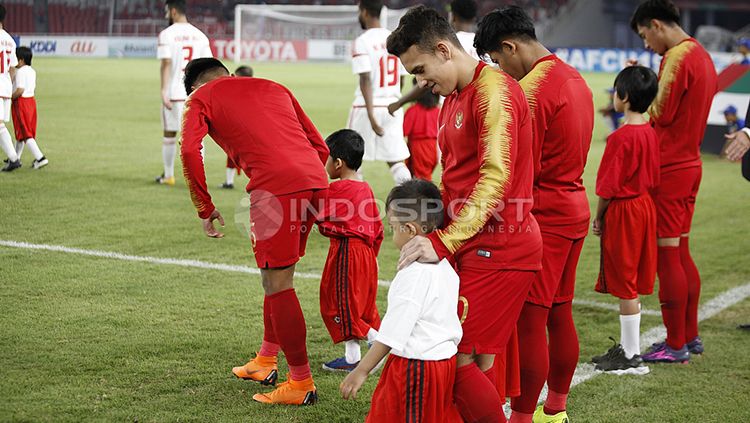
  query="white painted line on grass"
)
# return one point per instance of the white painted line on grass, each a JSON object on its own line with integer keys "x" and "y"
{"x": 610, "y": 306}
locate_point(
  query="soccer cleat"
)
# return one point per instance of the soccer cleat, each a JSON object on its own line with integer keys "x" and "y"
{"x": 541, "y": 417}
{"x": 38, "y": 164}
{"x": 616, "y": 362}
{"x": 655, "y": 347}
{"x": 165, "y": 181}
{"x": 226, "y": 185}
{"x": 668, "y": 355}
{"x": 339, "y": 365}
{"x": 260, "y": 369}
{"x": 695, "y": 346}
{"x": 291, "y": 392}
{"x": 11, "y": 166}
{"x": 598, "y": 358}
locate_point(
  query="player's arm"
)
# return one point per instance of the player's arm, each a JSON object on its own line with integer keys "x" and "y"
{"x": 166, "y": 82}
{"x": 194, "y": 128}
{"x": 673, "y": 82}
{"x": 17, "y": 93}
{"x": 356, "y": 378}
{"x": 12, "y": 72}
{"x": 609, "y": 180}
{"x": 409, "y": 97}
{"x": 311, "y": 132}
{"x": 365, "y": 86}
{"x": 597, "y": 225}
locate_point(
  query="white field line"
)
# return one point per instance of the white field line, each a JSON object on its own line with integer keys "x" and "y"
{"x": 610, "y": 306}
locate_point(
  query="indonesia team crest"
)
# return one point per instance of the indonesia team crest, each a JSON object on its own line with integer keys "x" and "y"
{"x": 459, "y": 119}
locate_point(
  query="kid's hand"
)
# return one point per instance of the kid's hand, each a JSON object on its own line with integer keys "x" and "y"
{"x": 596, "y": 226}
{"x": 208, "y": 225}
{"x": 351, "y": 384}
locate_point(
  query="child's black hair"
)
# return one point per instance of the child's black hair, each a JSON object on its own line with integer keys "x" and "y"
{"x": 417, "y": 201}
{"x": 639, "y": 85}
{"x": 25, "y": 54}
{"x": 347, "y": 145}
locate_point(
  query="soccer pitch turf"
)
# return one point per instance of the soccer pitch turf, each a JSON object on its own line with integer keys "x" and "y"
{"x": 87, "y": 338}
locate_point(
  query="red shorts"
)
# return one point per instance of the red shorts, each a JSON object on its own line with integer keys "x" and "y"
{"x": 348, "y": 290}
{"x": 415, "y": 391}
{"x": 628, "y": 253}
{"x": 423, "y": 159}
{"x": 675, "y": 201}
{"x": 556, "y": 282}
{"x": 280, "y": 225}
{"x": 508, "y": 370}
{"x": 489, "y": 303}
{"x": 23, "y": 111}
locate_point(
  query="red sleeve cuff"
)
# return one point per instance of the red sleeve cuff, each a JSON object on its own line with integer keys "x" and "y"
{"x": 441, "y": 250}
{"x": 207, "y": 212}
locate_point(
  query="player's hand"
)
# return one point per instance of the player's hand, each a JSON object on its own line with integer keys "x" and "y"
{"x": 739, "y": 144}
{"x": 418, "y": 249}
{"x": 596, "y": 227}
{"x": 166, "y": 101}
{"x": 376, "y": 128}
{"x": 393, "y": 107}
{"x": 631, "y": 62}
{"x": 351, "y": 383}
{"x": 208, "y": 225}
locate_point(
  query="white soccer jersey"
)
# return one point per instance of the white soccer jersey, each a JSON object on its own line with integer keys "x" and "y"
{"x": 467, "y": 42}
{"x": 7, "y": 60}
{"x": 181, "y": 42}
{"x": 370, "y": 55}
{"x": 26, "y": 79}
{"x": 421, "y": 321}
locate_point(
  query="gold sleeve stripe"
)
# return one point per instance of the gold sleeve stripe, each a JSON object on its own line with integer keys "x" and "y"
{"x": 494, "y": 104}
{"x": 673, "y": 63}
{"x": 531, "y": 83}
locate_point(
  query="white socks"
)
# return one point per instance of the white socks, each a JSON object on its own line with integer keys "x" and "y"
{"x": 34, "y": 148}
{"x": 7, "y": 144}
{"x": 352, "y": 354}
{"x": 400, "y": 173}
{"x": 630, "y": 328}
{"x": 230, "y": 175}
{"x": 168, "y": 151}
{"x": 19, "y": 149}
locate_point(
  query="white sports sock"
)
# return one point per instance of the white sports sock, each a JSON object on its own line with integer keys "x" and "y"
{"x": 230, "y": 176}
{"x": 371, "y": 335}
{"x": 34, "y": 148}
{"x": 400, "y": 173}
{"x": 7, "y": 144}
{"x": 630, "y": 328}
{"x": 168, "y": 151}
{"x": 352, "y": 354}
{"x": 19, "y": 149}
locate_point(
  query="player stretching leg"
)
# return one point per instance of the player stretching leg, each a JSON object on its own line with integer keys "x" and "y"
{"x": 262, "y": 124}
{"x": 379, "y": 84}
{"x": 178, "y": 44}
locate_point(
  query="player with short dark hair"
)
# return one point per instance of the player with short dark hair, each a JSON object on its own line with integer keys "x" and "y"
{"x": 487, "y": 181}
{"x": 260, "y": 124}
{"x": 351, "y": 220}
{"x": 380, "y": 76}
{"x": 7, "y": 75}
{"x": 562, "y": 113}
{"x": 232, "y": 167}
{"x": 626, "y": 216}
{"x": 687, "y": 84}
{"x": 244, "y": 70}
{"x": 23, "y": 108}
{"x": 420, "y": 330}
{"x": 178, "y": 44}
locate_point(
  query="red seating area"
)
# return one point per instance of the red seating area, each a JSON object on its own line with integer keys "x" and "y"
{"x": 82, "y": 17}
{"x": 20, "y": 16}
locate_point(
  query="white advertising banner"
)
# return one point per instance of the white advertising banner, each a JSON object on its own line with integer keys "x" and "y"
{"x": 42, "y": 45}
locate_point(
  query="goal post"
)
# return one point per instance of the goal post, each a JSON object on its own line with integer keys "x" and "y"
{"x": 264, "y": 32}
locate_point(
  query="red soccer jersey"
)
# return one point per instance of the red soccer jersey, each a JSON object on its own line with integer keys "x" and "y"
{"x": 630, "y": 164}
{"x": 421, "y": 122}
{"x": 562, "y": 113}
{"x": 262, "y": 128}
{"x": 687, "y": 84}
{"x": 351, "y": 211}
{"x": 485, "y": 136}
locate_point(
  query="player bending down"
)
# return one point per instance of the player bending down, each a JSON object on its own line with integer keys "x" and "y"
{"x": 259, "y": 124}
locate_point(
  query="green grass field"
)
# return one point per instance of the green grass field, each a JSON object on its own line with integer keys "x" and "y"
{"x": 95, "y": 339}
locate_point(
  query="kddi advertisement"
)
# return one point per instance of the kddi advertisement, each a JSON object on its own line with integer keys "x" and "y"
{"x": 66, "y": 46}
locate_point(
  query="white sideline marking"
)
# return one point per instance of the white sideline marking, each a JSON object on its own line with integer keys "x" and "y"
{"x": 610, "y": 306}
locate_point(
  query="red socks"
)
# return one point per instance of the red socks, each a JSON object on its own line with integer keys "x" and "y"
{"x": 270, "y": 346}
{"x": 476, "y": 397}
{"x": 693, "y": 289}
{"x": 289, "y": 326}
{"x": 563, "y": 354}
{"x": 533, "y": 357}
{"x": 556, "y": 402}
{"x": 673, "y": 294}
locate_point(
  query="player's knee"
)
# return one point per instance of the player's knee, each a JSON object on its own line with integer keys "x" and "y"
{"x": 668, "y": 242}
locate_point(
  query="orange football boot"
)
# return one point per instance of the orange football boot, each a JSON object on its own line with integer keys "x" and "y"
{"x": 260, "y": 369}
{"x": 291, "y": 392}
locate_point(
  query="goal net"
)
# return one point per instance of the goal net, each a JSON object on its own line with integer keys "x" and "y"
{"x": 298, "y": 33}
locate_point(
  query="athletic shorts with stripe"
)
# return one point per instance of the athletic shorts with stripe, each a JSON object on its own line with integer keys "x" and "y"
{"x": 415, "y": 391}
{"x": 349, "y": 289}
